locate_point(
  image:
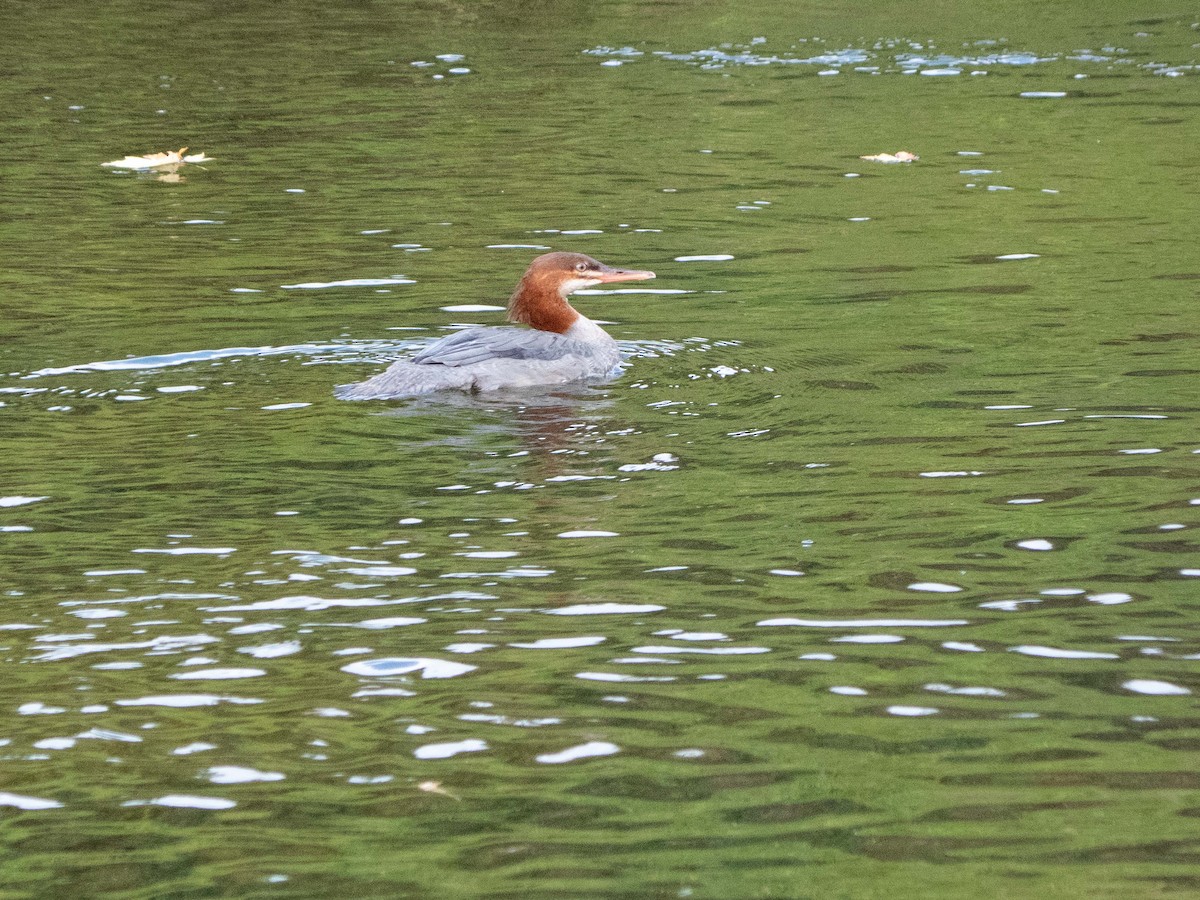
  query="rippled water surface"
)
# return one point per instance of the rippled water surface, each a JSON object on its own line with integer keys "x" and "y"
{"x": 874, "y": 574}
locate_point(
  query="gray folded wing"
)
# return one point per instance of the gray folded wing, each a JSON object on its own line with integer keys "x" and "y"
{"x": 476, "y": 345}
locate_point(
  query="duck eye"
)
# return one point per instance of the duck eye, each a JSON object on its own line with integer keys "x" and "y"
{"x": 581, "y": 267}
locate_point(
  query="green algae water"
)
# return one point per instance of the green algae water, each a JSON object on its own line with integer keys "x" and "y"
{"x": 874, "y": 574}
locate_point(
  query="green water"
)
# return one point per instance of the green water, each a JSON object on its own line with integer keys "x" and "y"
{"x": 872, "y": 576}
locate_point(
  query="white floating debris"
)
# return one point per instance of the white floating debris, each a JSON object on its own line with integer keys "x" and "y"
{"x": 900, "y": 156}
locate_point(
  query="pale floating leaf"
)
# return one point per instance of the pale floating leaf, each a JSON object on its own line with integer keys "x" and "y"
{"x": 435, "y": 787}
{"x": 900, "y": 156}
{"x": 158, "y": 160}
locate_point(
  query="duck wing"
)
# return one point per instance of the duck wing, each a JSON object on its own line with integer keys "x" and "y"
{"x": 477, "y": 345}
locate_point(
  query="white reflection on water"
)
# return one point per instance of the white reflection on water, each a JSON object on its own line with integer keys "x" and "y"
{"x": 349, "y": 282}
{"x": 1057, "y": 653}
{"x": 240, "y": 775}
{"x": 310, "y": 604}
{"x": 866, "y": 623}
{"x": 429, "y": 668}
{"x": 185, "y": 801}
{"x": 913, "y": 710}
{"x": 1158, "y": 688}
{"x": 445, "y": 751}
{"x": 184, "y": 701}
{"x": 508, "y": 720}
{"x": 603, "y": 609}
{"x": 194, "y": 747}
{"x": 223, "y": 674}
{"x": 559, "y": 643}
{"x": 392, "y": 622}
{"x": 966, "y": 691}
{"x": 582, "y": 751}
{"x": 898, "y": 57}
{"x": 21, "y": 801}
{"x": 714, "y": 651}
{"x": 164, "y": 643}
{"x": 272, "y": 651}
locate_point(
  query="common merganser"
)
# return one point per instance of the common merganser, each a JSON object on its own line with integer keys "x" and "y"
{"x": 562, "y": 346}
